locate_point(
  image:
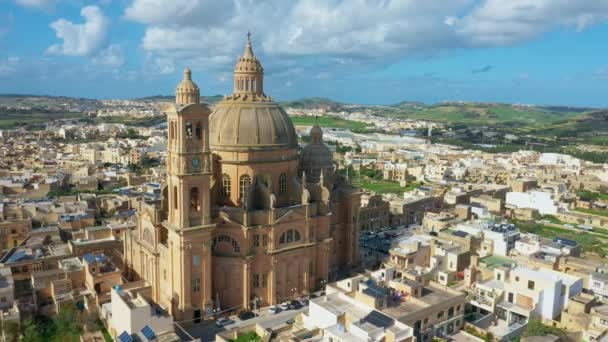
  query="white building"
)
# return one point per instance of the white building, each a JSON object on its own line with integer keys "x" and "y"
{"x": 130, "y": 312}
{"x": 541, "y": 201}
{"x": 598, "y": 284}
{"x": 498, "y": 238}
{"x": 344, "y": 319}
{"x": 517, "y": 295}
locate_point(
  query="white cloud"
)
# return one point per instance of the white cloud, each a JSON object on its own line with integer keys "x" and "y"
{"x": 81, "y": 39}
{"x": 499, "y": 22}
{"x": 9, "y": 66}
{"x": 112, "y": 56}
{"x": 39, "y": 4}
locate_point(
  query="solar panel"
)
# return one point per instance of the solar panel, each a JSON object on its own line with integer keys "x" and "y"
{"x": 18, "y": 256}
{"x": 148, "y": 333}
{"x": 379, "y": 319}
{"x": 459, "y": 233}
{"x": 567, "y": 242}
{"x": 125, "y": 337}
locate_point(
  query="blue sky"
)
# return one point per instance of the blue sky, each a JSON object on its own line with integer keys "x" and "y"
{"x": 363, "y": 51}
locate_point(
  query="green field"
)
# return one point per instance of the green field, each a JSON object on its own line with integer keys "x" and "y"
{"x": 331, "y": 122}
{"x": 479, "y": 114}
{"x": 589, "y": 242}
{"x": 13, "y": 120}
{"x": 379, "y": 186}
{"x": 592, "y": 211}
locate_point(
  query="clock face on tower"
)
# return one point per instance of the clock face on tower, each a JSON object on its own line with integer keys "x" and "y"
{"x": 196, "y": 163}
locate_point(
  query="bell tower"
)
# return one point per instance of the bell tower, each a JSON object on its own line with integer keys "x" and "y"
{"x": 188, "y": 158}
{"x": 187, "y": 262}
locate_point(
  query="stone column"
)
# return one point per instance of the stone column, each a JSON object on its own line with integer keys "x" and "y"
{"x": 246, "y": 283}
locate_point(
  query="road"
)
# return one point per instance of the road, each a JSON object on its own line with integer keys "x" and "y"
{"x": 207, "y": 329}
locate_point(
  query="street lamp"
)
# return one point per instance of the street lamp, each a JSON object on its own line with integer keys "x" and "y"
{"x": 293, "y": 292}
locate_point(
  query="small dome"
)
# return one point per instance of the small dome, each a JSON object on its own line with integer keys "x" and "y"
{"x": 316, "y": 134}
{"x": 236, "y": 125}
{"x": 314, "y": 157}
{"x": 187, "y": 91}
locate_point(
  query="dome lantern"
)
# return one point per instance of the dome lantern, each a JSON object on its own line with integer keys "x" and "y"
{"x": 248, "y": 73}
{"x": 187, "y": 91}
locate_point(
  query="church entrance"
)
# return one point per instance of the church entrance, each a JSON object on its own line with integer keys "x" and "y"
{"x": 227, "y": 282}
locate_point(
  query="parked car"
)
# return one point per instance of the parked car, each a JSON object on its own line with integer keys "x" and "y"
{"x": 245, "y": 315}
{"x": 304, "y": 301}
{"x": 222, "y": 322}
{"x": 290, "y": 321}
{"x": 295, "y": 304}
{"x": 284, "y": 306}
{"x": 274, "y": 310}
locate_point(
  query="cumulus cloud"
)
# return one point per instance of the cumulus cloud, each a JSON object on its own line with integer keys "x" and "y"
{"x": 499, "y": 22}
{"x": 360, "y": 31}
{"x": 82, "y": 39}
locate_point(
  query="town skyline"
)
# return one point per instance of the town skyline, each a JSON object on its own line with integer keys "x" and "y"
{"x": 373, "y": 55}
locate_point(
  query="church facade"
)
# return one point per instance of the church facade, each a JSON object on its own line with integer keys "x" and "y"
{"x": 246, "y": 217}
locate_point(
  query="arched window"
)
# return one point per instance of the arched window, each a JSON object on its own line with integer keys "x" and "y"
{"x": 225, "y": 185}
{"x": 172, "y": 130}
{"x": 253, "y": 84}
{"x": 188, "y": 130}
{"x": 226, "y": 239}
{"x": 175, "y": 197}
{"x": 283, "y": 184}
{"x": 199, "y": 131}
{"x": 244, "y": 185}
{"x": 289, "y": 236}
{"x": 195, "y": 203}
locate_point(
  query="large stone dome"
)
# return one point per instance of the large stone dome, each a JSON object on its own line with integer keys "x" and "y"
{"x": 245, "y": 125}
{"x": 248, "y": 119}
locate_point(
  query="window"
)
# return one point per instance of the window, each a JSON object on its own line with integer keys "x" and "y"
{"x": 264, "y": 240}
{"x": 510, "y": 298}
{"x": 451, "y": 312}
{"x": 188, "y": 130}
{"x": 226, "y": 239}
{"x": 172, "y": 130}
{"x": 175, "y": 197}
{"x": 530, "y": 285}
{"x": 196, "y": 284}
{"x": 195, "y": 203}
{"x": 199, "y": 131}
{"x": 440, "y": 314}
{"x": 289, "y": 236}
{"x": 244, "y": 185}
{"x": 516, "y": 278}
{"x": 498, "y": 276}
{"x": 164, "y": 274}
{"x": 196, "y": 260}
{"x": 256, "y": 280}
{"x": 225, "y": 185}
{"x": 256, "y": 240}
{"x": 282, "y": 184}
{"x": 147, "y": 236}
{"x": 265, "y": 280}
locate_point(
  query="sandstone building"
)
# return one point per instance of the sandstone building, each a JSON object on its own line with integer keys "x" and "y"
{"x": 245, "y": 216}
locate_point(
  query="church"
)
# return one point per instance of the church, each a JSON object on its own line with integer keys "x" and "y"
{"x": 246, "y": 217}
